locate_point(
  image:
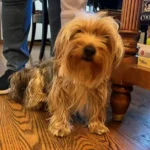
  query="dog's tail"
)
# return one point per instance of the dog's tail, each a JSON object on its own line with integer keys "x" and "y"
{"x": 18, "y": 83}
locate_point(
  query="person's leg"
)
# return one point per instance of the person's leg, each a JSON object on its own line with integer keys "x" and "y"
{"x": 54, "y": 20}
{"x": 69, "y": 8}
{"x": 16, "y": 17}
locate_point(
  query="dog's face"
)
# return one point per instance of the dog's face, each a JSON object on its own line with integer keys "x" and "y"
{"x": 87, "y": 48}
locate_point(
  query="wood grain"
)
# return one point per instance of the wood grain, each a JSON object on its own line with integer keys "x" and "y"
{"x": 22, "y": 129}
{"x": 130, "y": 15}
{"x": 27, "y": 129}
{"x": 139, "y": 76}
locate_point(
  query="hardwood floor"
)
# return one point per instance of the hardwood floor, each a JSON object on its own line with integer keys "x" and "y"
{"x": 22, "y": 129}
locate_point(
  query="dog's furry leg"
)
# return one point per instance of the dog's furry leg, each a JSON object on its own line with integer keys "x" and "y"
{"x": 97, "y": 110}
{"x": 35, "y": 90}
{"x": 40, "y": 84}
{"x": 18, "y": 83}
{"x": 58, "y": 106}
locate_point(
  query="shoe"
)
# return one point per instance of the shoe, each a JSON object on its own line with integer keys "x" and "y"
{"x": 5, "y": 82}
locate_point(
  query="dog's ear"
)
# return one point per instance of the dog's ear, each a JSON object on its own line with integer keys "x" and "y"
{"x": 61, "y": 42}
{"x": 115, "y": 40}
{"x": 116, "y": 43}
{"x": 119, "y": 46}
{"x": 119, "y": 51}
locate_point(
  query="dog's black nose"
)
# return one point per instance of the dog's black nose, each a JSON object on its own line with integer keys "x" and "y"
{"x": 89, "y": 50}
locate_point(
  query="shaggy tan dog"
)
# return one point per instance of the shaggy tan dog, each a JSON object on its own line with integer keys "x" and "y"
{"x": 87, "y": 49}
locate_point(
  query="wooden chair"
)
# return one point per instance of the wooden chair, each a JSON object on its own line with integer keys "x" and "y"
{"x": 128, "y": 73}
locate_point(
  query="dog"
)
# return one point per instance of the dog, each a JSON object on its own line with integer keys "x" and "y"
{"x": 76, "y": 79}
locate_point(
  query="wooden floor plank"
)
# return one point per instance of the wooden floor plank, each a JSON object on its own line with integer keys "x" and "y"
{"x": 27, "y": 129}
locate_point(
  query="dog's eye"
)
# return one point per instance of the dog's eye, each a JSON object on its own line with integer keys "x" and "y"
{"x": 106, "y": 37}
{"x": 76, "y": 33}
{"x": 79, "y": 31}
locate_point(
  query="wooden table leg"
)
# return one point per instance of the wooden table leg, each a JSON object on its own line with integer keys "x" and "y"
{"x": 120, "y": 100}
{"x": 121, "y": 94}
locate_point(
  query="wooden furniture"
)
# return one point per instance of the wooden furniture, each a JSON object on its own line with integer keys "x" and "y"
{"x": 128, "y": 73}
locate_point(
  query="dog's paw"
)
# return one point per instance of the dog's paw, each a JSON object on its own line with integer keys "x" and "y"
{"x": 60, "y": 131}
{"x": 98, "y": 128}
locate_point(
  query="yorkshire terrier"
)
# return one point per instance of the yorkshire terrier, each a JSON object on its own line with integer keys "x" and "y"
{"x": 75, "y": 81}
